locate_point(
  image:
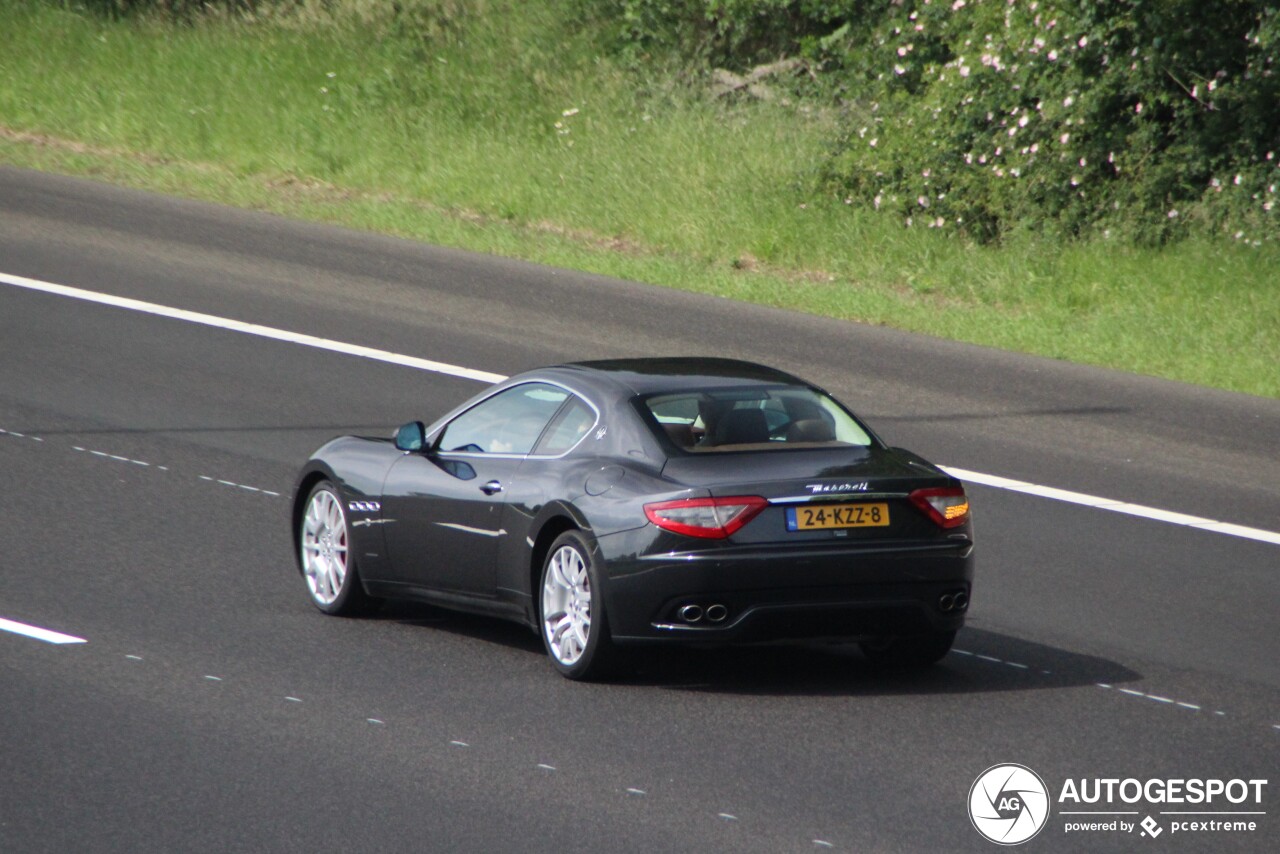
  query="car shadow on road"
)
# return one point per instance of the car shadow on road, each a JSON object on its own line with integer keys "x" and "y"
{"x": 980, "y": 661}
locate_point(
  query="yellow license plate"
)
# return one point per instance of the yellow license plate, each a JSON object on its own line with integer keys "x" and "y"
{"x": 823, "y": 516}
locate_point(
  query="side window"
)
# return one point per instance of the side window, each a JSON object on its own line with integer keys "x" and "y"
{"x": 568, "y": 427}
{"x": 507, "y": 423}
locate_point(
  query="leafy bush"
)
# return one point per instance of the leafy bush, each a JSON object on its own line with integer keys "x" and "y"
{"x": 1141, "y": 119}
{"x": 1068, "y": 118}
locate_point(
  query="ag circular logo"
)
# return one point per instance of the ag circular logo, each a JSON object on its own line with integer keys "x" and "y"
{"x": 1008, "y": 804}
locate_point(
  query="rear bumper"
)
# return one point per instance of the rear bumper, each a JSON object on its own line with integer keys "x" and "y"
{"x": 779, "y": 593}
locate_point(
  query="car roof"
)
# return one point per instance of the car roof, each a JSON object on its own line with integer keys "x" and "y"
{"x": 680, "y": 373}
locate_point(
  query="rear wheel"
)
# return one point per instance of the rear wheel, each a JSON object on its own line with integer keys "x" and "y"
{"x": 324, "y": 553}
{"x": 574, "y": 631}
{"x": 908, "y": 651}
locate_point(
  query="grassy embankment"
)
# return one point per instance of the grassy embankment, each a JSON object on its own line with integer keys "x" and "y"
{"x": 510, "y": 134}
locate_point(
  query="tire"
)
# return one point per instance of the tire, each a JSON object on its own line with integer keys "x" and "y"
{"x": 571, "y": 616}
{"x": 909, "y": 651}
{"x": 328, "y": 567}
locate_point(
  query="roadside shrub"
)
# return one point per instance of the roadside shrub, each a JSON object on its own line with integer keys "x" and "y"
{"x": 1139, "y": 119}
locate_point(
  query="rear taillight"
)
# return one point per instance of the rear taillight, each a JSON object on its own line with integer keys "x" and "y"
{"x": 947, "y": 506}
{"x": 710, "y": 518}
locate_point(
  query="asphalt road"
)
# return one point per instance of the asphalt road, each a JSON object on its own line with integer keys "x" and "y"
{"x": 146, "y": 464}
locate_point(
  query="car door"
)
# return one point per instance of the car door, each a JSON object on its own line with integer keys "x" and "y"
{"x": 445, "y": 506}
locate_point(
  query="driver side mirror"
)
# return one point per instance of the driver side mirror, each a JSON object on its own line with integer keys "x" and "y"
{"x": 411, "y": 437}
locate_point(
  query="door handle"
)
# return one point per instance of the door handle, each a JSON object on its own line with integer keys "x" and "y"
{"x": 493, "y": 487}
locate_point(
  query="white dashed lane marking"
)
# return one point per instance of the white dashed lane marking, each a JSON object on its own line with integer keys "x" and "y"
{"x": 1155, "y": 697}
{"x": 243, "y": 486}
{"x": 723, "y": 817}
{"x": 993, "y": 659}
{"x": 631, "y": 792}
{"x": 104, "y": 455}
{"x": 1129, "y": 691}
{"x": 17, "y": 435}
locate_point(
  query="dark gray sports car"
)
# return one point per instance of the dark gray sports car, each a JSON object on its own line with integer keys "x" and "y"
{"x": 646, "y": 501}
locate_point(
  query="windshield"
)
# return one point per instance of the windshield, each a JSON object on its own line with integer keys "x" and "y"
{"x": 780, "y": 418}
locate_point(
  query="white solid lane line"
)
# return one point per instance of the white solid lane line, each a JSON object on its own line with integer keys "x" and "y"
{"x": 1115, "y": 506}
{"x": 1049, "y": 492}
{"x": 36, "y": 632}
{"x": 250, "y": 329}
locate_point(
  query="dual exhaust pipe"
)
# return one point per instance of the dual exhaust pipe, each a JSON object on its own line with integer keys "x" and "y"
{"x": 696, "y": 613}
{"x": 948, "y": 603}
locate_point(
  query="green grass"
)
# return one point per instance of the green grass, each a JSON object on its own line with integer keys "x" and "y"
{"x": 454, "y": 140}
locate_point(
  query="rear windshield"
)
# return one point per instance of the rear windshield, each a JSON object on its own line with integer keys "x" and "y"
{"x": 753, "y": 419}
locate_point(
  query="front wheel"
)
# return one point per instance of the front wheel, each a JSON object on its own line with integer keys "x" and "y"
{"x": 908, "y": 651}
{"x": 324, "y": 554}
{"x": 575, "y": 631}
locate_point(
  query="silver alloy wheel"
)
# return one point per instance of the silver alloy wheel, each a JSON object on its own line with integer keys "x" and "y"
{"x": 566, "y": 605}
{"x": 324, "y": 547}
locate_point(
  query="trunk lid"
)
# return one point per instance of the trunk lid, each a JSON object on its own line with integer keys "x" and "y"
{"x": 818, "y": 495}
